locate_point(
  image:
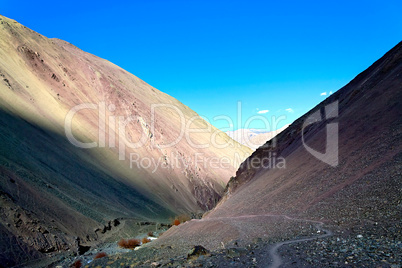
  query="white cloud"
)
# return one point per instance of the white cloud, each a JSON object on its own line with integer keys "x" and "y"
{"x": 263, "y": 111}
{"x": 290, "y": 110}
{"x": 323, "y": 94}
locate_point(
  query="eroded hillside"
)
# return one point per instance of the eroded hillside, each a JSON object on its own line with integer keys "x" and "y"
{"x": 340, "y": 168}
{"x": 144, "y": 164}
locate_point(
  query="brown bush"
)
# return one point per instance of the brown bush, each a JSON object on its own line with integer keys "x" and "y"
{"x": 77, "y": 264}
{"x": 180, "y": 219}
{"x": 146, "y": 240}
{"x": 100, "y": 255}
{"x": 129, "y": 243}
{"x": 151, "y": 234}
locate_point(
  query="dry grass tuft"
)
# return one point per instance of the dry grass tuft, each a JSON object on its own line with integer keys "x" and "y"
{"x": 77, "y": 264}
{"x": 145, "y": 240}
{"x": 100, "y": 255}
{"x": 129, "y": 243}
{"x": 151, "y": 234}
{"x": 180, "y": 219}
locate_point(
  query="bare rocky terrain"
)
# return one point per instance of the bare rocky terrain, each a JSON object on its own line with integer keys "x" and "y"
{"x": 61, "y": 204}
{"x": 57, "y": 197}
{"x": 309, "y": 214}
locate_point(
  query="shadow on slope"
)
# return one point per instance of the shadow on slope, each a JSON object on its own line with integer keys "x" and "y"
{"x": 51, "y": 194}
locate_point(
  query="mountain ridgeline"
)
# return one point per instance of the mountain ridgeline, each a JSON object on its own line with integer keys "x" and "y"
{"x": 56, "y": 195}
{"x": 356, "y": 191}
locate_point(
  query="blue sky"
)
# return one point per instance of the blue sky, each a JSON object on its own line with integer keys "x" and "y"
{"x": 210, "y": 55}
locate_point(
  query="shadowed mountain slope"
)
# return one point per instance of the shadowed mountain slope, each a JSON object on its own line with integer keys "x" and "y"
{"x": 144, "y": 166}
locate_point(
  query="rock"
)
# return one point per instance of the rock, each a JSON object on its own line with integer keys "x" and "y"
{"x": 116, "y": 222}
{"x": 257, "y": 240}
{"x": 201, "y": 258}
{"x": 236, "y": 252}
{"x": 82, "y": 249}
{"x": 155, "y": 264}
{"x": 197, "y": 251}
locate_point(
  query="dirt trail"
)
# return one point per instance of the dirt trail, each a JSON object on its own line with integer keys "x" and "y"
{"x": 275, "y": 259}
{"x": 273, "y": 252}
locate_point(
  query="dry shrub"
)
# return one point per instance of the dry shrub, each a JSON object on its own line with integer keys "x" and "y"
{"x": 122, "y": 243}
{"x": 180, "y": 219}
{"x": 77, "y": 264}
{"x": 151, "y": 234}
{"x": 100, "y": 255}
{"x": 129, "y": 243}
{"x": 146, "y": 240}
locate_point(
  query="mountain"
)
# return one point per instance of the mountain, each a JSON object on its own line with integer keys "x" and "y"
{"x": 253, "y": 138}
{"x": 333, "y": 196}
{"x": 88, "y": 149}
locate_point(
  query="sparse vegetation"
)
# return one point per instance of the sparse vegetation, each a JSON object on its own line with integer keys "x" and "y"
{"x": 129, "y": 243}
{"x": 77, "y": 264}
{"x": 180, "y": 219}
{"x": 100, "y": 255}
{"x": 146, "y": 240}
{"x": 151, "y": 234}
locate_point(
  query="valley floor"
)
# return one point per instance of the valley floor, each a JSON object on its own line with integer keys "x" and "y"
{"x": 316, "y": 246}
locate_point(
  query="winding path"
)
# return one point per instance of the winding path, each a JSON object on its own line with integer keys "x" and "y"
{"x": 273, "y": 251}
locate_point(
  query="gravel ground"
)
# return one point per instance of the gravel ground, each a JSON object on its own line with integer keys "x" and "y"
{"x": 371, "y": 246}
